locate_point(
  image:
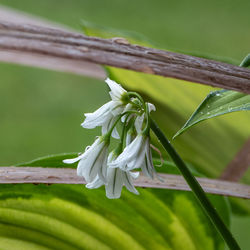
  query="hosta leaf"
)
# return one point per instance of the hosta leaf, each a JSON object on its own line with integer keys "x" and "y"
{"x": 73, "y": 217}
{"x": 217, "y": 103}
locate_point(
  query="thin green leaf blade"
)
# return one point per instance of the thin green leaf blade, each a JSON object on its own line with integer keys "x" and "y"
{"x": 51, "y": 161}
{"x": 246, "y": 61}
{"x": 215, "y": 104}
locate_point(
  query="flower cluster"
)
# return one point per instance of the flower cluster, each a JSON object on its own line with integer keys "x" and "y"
{"x": 117, "y": 168}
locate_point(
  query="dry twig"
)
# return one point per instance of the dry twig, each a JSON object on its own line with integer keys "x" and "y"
{"x": 11, "y": 175}
{"x": 67, "y": 45}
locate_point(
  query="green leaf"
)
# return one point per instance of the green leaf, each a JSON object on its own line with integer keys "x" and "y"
{"x": 246, "y": 61}
{"x": 51, "y": 161}
{"x": 73, "y": 217}
{"x": 217, "y": 103}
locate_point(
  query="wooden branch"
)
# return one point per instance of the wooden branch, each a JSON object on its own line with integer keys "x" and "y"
{"x": 119, "y": 53}
{"x": 45, "y": 61}
{"x": 239, "y": 165}
{"x": 36, "y": 175}
{"x": 53, "y": 63}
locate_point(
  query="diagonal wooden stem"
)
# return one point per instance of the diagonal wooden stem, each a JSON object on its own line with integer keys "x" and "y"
{"x": 119, "y": 53}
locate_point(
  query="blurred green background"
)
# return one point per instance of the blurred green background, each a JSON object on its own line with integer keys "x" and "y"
{"x": 41, "y": 110}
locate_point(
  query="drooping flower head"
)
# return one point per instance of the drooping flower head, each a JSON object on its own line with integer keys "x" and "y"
{"x": 116, "y": 169}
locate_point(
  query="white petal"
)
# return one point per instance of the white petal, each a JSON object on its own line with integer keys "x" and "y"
{"x": 117, "y": 108}
{"x": 88, "y": 165}
{"x": 116, "y": 89}
{"x": 99, "y": 117}
{"x": 129, "y": 153}
{"x": 134, "y": 175}
{"x": 127, "y": 108}
{"x": 95, "y": 168}
{"x": 149, "y": 154}
{"x": 110, "y": 157}
{"x": 139, "y": 122}
{"x": 151, "y": 107}
{"x": 85, "y": 154}
{"x": 138, "y": 161}
{"x": 114, "y": 186}
{"x": 70, "y": 161}
{"x": 146, "y": 169}
{"x": 128, "y": 182}
{"x": 102, "y": 171}
{"x": 115, "y": 134}
{"x": 95, "y": 184}
{"x": 107, "y": 126}
{"x": 128, "y": 138}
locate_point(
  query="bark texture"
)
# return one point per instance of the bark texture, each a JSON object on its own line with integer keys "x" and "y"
{"x": 36, "y": 175}
{"x": 119, "y": 53}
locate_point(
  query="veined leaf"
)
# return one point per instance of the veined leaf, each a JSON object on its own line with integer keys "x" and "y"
{"x": 72, "y": 217}
{"x": 217, "y": 103}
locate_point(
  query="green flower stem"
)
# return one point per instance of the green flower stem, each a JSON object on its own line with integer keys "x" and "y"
{"x": 196, "y": 188}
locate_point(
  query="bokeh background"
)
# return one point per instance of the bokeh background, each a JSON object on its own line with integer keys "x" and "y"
{"x": 41, "y": 110}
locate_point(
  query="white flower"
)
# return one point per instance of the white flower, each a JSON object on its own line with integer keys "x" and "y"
{"x": 134, "y": 151}
{"x": 116, "y": 178}
{"x": 116, "y": 90}
{"x": 114, "y": 171}
{"x": 136, "y": 155}
{"x": 105, "y": 116}
{"x": 93, "y": 162}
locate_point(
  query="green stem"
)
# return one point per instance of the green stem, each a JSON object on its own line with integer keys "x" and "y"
{"x": 196, "y": 188}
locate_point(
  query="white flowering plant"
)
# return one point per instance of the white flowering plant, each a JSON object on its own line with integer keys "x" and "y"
{"x": 117, "y": 167}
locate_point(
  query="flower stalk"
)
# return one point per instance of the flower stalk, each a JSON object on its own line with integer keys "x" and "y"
{"x": 196, "y": 188}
